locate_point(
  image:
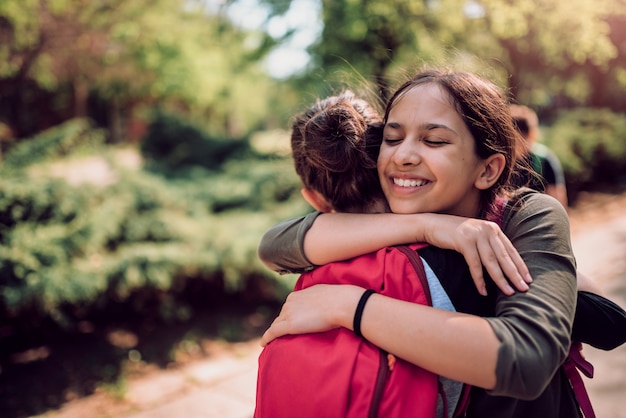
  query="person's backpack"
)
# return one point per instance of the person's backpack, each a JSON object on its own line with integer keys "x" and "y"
{"x": 336, "y": 373}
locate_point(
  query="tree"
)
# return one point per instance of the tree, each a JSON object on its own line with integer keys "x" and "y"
{"x": 548, "y": 53}
{"x": 371, "y": 40}
{"x": 555, "y": 49}
{"x": 122, "y": 55}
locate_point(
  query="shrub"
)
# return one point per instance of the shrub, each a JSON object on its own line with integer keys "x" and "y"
{"x": 71, "y": 137}
{"x": 174, "y": 143}
{"x": 591, "y": 144}
{"x": 70, "y": 249}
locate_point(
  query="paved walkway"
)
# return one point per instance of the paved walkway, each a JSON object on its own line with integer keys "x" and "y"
{"x": 224, "y": 387}
{"x": 220, "y": 387}
{"x": 601, "y": 254}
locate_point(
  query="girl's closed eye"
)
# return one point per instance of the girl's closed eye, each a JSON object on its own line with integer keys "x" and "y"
{"x": 435, "y": 141}
{"x": 392, "y": 141}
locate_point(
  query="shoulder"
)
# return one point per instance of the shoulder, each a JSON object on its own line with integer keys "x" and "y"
{"x": 528, "y": 209}
{"x": 526, "y": 199}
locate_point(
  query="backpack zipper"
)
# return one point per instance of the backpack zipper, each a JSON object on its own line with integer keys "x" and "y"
{"x": 379, "y": 387}
{"x": 383, "y": 368}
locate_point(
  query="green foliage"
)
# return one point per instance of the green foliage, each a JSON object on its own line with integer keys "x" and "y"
{"x": 174, "y": 143}
{"x": 67, "y": 249}
{"x": 197, "y": 209}
{"x": 73, "y": 136}
{"x": 213, "y": 70}
{"x": 249, "y": 184}
{"x": 591, "y": 146}
{"x": 380, "y": 41}
{"x": 122, "y": 54}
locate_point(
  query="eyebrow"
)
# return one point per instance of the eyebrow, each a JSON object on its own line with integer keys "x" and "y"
{"x": 427, "y": 127}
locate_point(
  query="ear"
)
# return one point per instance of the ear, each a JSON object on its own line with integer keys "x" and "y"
{"x": 316, "y": 200}
{"x": 491, "y": 171}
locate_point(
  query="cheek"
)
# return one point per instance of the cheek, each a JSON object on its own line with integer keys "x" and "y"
{"x": 454, "y": 164}
{"x": 383, "y": 159}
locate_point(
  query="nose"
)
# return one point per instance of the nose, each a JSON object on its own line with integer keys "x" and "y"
{"x": 407, "y": 153}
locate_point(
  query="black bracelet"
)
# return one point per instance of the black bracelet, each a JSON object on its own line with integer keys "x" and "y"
{"x": 359, "y": 312}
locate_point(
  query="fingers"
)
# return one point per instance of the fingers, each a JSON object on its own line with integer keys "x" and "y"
{"x": 494, "y": 267}
{"x": 493, "y": 250}
{"x": 280, "y": 326}
{"x": 273, "y": 332}
{"x": 518, "y": 262}
{"x": 510, "y": 267}
{"x": 476, "y": 270}
{"x": 498, "y": 264}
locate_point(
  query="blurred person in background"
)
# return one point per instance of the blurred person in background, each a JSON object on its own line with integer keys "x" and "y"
{"x": 545, "y": 164}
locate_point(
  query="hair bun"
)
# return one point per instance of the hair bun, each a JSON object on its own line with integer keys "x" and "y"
{"x": 335, "y": 136}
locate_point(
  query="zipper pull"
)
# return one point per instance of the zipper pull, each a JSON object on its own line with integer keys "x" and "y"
{"x": 391, "y": 362}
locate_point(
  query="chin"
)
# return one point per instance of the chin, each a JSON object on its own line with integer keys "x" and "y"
{"x": 407, "y": 209}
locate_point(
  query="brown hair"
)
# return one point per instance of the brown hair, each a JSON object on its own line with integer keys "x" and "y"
{"x": 335, "y": 145}
{"x": 484, "y": 109}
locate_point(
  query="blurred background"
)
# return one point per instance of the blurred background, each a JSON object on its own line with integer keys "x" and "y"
{"x": 144, "y": 151}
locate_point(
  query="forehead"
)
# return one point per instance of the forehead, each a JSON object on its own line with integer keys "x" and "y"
{"x": 425, "y": 103}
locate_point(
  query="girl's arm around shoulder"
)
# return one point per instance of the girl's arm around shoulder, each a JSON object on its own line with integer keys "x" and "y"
{"x": 299, "y": 245}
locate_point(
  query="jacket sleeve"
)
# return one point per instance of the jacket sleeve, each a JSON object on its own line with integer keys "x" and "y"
{"x": 599, "y": 322}
{"x": 282, "y": 246}
{"x": 535, "y": 327}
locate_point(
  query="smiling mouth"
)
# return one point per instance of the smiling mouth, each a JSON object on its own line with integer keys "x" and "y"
{"x": 409, "y": 183}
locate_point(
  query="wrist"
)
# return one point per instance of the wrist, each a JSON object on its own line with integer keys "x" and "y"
{"x": 358, "y": 314}
{"x": 347, "y": 300}
{"x": 421, "y": 227}
{"x": 439, "y": 230}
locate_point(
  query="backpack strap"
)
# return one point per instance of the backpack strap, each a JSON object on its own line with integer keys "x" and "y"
{"x": 573, "y": 363}
{"x": 463, "y": 402}
{"x": 410, "y": 251}
{"x": 536, "y": 162}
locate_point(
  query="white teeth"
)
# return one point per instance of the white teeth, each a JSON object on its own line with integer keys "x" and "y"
{"x": 409, "y": 183}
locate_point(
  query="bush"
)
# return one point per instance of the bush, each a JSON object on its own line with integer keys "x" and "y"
{"x": 173, "y": 143}
{"x": 68, "y": 250}
{"x": 71, "y": 137}
{"x": 591, "y": 144}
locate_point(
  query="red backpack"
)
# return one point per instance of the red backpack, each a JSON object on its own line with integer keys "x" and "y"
{"x": 336, "y": 373}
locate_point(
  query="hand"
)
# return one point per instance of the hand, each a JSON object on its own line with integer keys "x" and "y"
{"x": 315, "y": 309}
{"x": 482, "y": 243}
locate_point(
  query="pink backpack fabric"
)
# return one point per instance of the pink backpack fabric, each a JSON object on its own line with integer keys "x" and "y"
{"x": 336, "y": 373}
